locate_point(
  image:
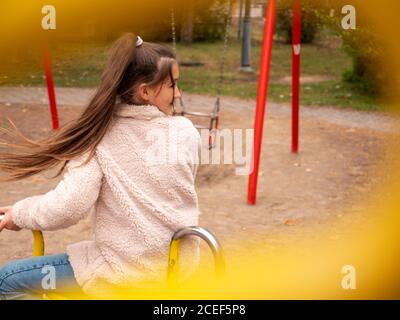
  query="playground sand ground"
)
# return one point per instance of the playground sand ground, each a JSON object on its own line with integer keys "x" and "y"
{"x": 314, "y": 195}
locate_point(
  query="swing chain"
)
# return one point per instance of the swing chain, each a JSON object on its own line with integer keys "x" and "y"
{"x": 214, "y": 116}
{"x": 224, "y": 55}
{"x": 173, "y": 27}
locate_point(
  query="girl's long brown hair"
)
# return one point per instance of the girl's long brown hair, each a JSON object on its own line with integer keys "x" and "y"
{"x": 126, "y": 68}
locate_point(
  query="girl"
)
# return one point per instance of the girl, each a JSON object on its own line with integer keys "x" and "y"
{"x": 129, "y": 163}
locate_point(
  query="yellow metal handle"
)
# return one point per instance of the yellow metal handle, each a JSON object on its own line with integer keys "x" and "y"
{"x": 173, "y": 262}
{"x": 38, "y": 250}
{"x": 38, "y": 243}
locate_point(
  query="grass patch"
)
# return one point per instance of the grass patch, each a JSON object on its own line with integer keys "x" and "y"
{"x": 80, "y": 65}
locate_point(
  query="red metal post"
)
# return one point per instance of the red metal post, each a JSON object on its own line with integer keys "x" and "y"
{"x": 261, "y": 99}
{"x": 296, "y": 46}
{"x": 50, "y": 86}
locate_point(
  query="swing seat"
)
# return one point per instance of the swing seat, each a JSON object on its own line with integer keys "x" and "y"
{"x": 213, "y": 126}
{"x": 213, "y": 116}
{"x": 198, "y": 114}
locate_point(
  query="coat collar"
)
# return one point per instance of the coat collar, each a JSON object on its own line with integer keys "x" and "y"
{"x": 142, "y": 112}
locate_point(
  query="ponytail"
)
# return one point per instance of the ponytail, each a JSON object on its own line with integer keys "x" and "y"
{"x": 78, "y": 136}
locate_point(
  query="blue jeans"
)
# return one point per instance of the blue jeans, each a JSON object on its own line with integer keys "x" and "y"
{"x": 29, "y": 279}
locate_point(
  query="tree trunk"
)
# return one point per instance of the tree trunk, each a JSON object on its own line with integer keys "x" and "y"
{"x": 187, "y": 22}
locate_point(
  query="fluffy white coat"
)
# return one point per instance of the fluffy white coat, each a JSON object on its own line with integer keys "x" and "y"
{"x": 139, "y": 188}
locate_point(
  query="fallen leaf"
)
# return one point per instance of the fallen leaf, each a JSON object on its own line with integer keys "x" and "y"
{"x": 290, "y": 222}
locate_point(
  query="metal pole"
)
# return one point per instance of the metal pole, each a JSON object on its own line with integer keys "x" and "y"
{"x": 208, "y": 237}
{"x": 246, "y": 45}
{"x": 240, "y": 20}
{"x": 50, "y": 86}
{"x": 38, "y": 243}
{"x": 261, "y": 99}
{"x": 296, "y": 43}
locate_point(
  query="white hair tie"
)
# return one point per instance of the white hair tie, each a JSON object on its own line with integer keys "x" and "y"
{"x": 139, "y": 41}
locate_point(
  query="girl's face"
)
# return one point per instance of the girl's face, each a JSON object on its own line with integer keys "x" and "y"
{"x": 163, "y": 97}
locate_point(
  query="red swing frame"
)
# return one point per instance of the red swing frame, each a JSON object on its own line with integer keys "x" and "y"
{"x": 263, "y": 90}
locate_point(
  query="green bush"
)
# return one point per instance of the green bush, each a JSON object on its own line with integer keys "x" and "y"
{"x": 367, "y": 73}
{"x": 365, "y": 47}
{"x": 209, "y": 20}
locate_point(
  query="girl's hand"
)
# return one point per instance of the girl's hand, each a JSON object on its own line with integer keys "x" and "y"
{"x": 6, "y": 221}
